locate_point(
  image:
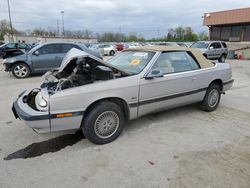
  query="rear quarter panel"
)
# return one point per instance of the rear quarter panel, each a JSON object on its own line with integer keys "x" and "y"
{"x": 221, "y": 71}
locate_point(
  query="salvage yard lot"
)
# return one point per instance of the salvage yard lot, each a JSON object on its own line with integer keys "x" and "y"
{"x": 183, "y": 147}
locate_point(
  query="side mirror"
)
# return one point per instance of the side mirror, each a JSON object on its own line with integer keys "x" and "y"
{"x": 36, "y": 53}
{"x": 211, "y": 47}
{"x": 154, "y": 73}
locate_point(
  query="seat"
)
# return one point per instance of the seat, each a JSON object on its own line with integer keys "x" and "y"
{"x": 164, "y": 65}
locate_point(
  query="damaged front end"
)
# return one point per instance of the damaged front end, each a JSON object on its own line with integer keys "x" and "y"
{"x": 79, "y": 68}
{"x": 27, "y": 108}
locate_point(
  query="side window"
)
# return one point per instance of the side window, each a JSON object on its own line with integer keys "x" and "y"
{"x": 11, "y": 45}
{"x": 21, "y": 45}
{"x": 173, "y": 62}
{"x": 224, "y": 44}
{"x": 77, "y": 47}
{"x": 216, "y": 45}
{"x": 66, "y": 47}
{"x": 50, "y": 49}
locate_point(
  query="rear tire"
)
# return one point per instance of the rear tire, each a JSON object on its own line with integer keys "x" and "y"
{"x": 104, "y": 123}
{"x": 112, "y": 53}
{"x": 222, "y": 58}
{"x": 211, "y": 99}
{"x": 20, "y": 70}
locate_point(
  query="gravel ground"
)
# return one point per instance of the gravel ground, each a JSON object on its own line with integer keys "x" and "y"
{"x": 183, "y": 147}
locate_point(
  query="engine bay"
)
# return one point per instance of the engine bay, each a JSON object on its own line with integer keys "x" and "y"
{"x": 78, "y": 72}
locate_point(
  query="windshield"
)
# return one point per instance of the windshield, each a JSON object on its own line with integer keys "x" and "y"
{"x": 200, "y": 45}
{"x": 131, "y": 61}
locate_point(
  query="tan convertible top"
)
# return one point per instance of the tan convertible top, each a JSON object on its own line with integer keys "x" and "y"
{"x": 204, "y": 63}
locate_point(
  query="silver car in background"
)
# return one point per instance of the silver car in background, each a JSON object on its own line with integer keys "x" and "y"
{"x": 99, "y": 97}
{"x": 107, "y": 49}
{"x": 213, "y": 50}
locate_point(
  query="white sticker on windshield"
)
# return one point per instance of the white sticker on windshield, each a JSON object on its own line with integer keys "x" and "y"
{"x": 140, "y": 54}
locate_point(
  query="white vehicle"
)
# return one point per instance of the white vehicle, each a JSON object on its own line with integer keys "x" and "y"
{"x": 107, "y": 49}
{"x": 99, "y": 97}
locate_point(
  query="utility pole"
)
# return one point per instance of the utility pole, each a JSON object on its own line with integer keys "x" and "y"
{"x": 57, "y": 29}
{"x": 120, "y": 31}
{"x": 62, "y": 12}
{"x": 11, "y": 29}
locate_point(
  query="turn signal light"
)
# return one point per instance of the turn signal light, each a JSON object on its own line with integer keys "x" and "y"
{"x": 64, "y": 115}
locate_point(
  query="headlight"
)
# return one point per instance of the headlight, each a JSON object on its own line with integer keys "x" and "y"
{"x": 41, "y": 103}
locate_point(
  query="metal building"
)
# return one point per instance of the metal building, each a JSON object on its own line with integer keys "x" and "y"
{"x": 229, "y": 25}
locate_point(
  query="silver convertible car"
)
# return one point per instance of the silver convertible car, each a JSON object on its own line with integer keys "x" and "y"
{"x": 99, "y": 97}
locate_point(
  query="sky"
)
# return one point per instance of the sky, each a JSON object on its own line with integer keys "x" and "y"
{"x": 149, "y": 18}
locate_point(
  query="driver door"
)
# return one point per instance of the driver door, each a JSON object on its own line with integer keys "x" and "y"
{"x": 214, "y": 50}
{"x": 47, "y": 57}
{"x": 172, "y": 89}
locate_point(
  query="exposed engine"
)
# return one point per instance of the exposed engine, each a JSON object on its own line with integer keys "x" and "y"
{"x": 78, "y": 72}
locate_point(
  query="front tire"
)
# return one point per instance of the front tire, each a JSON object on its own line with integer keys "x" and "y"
{"x": 104, "y": 123}
{"x": 20, "y": 70}
{"x": 222, "y": 58}
{"x": 212, "y": 98}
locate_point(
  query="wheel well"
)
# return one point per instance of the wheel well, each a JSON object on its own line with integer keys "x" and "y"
{"x": 218, "y": 82}
{"x": 120, "y": 102}
{"x": 205, "y": 55}
{"x": 20, "y": 62}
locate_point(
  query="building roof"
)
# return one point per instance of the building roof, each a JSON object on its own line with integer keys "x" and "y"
{"x": 227, "y": 17}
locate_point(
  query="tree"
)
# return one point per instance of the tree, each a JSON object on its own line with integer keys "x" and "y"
{"x": 171, "y": 34}
{"x": 87, "y": 33}
{"x": 180, "y": 32}
{"x": 203, "y": 35}
{"x": 39, "y": 32}
{"x": 132, "y": 37}
{"x": 188, "y": 33}
{"x": 5, "y": 29}
{"x": 52, "y": 32}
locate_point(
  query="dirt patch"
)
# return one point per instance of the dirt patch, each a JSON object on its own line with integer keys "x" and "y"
{"x": 227, "y": 167}
{"x": 48, "y": 146}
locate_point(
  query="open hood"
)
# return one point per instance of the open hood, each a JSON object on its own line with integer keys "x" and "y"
{"x": 75, "y": 53}
{"x": 79, "y": 68}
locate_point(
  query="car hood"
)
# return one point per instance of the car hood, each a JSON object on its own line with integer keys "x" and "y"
{"x": 75, "y": 53}
{"x": 201, "y": 49}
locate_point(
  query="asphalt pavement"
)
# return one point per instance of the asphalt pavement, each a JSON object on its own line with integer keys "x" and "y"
{"x": 183, "y": 147}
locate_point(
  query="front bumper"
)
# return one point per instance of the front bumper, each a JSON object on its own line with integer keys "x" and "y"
{"x": 37, "y": 120}
{"x": 7, "y": 67}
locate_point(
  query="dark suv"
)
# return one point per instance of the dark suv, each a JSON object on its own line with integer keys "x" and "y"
{"x": 42, "y": 58}
{"x": 214, "y": 50}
